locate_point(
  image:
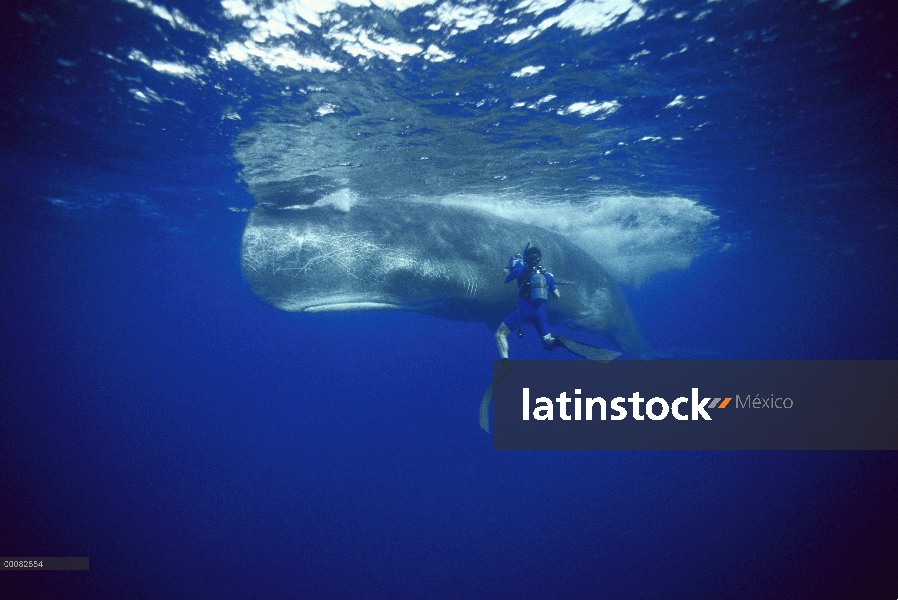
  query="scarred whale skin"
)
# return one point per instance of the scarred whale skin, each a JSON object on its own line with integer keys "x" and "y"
{"x": 442, "y": 260}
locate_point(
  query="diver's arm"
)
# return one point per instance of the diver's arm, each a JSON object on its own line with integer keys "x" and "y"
{"x": 550, "y": 280}
{"x": 514, "y": 273}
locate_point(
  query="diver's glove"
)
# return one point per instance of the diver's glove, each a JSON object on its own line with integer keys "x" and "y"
{"x": 515, "y": 261}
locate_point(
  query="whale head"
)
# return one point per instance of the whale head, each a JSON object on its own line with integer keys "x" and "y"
{"x": 321, "y": 260}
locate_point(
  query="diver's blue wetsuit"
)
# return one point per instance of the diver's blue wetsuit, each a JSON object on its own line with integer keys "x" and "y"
{"x": 528, "y": 311}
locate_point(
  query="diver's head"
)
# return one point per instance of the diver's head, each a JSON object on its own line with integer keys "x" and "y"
{"x": 532, "y": 256}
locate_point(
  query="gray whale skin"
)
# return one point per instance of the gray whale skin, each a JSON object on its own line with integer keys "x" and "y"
{"x": 440, "y": 260}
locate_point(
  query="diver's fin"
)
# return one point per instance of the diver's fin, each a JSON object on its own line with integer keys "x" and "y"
{"x": 485, "y": 408}
{"x": 587, "y": 351}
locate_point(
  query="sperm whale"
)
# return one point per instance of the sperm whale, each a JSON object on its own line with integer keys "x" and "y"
{"x": 437, "y": 259}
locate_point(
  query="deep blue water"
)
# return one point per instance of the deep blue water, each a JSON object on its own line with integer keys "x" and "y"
{"x": 734, "y": 170}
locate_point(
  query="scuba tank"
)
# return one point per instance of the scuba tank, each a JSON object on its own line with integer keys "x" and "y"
{"x": 535, "y": 288}
{"x": 539, "y": 288}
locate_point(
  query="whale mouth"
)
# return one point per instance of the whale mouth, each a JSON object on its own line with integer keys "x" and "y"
{"x": 351, "y": 306}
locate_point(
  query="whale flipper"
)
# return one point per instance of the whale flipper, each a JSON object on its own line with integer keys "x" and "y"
{"x": 587, "y": 351}
{"x": 504, "y": 369}
{"x": 485, "y": 408}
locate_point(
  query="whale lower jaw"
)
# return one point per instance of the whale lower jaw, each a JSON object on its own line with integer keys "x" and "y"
{"x": 351, "y": 306}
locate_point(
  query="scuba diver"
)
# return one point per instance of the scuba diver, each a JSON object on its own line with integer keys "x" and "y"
{"x": 534, "y": 284}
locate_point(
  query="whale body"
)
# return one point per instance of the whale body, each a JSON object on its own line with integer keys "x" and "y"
{"x": 441, "y": 260}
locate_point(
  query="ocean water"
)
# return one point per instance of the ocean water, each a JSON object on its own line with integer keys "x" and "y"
{"x": 728, "y": 165}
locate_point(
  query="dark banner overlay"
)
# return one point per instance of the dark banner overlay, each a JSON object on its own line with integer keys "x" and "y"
{"x": 695, "y": 405}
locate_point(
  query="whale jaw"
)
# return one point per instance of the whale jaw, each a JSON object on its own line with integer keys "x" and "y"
{"x": 351, "y": 306}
